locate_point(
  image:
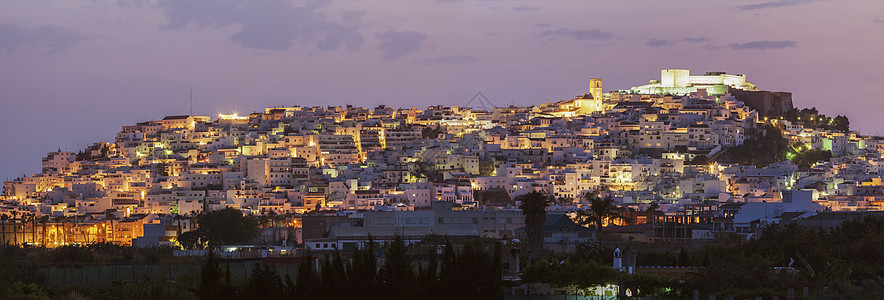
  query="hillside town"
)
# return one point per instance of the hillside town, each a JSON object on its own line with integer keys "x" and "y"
{"x": 685, "y": 158}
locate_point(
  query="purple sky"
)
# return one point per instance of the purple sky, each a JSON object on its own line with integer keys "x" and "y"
{"x": 73, "y": 72}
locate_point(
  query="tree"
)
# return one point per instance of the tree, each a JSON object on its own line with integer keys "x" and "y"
{"x": 600, "y": 210}
{"x": 807, "y": 158}
{"x": 110, "y": 216}
{"x": 431, "y": 133}
{"x": 227, "y": 227}
{"x": 191, "y": 240}
{"x": 651, "y": 211}
{"x": 428, "y": 279}
{"x": 34, "y": 220}
{"x": 14, "y": 228}
{"x": 211, "y": 279}
{"x": 576, "y": 274}
{"x": 264, "y": 283}
{"x": 533, "y": 206}
{"x": 471, "y": 274}
{"x": 307, "y": 282}
{"x": 398, "y": 271}
{"x": 841, "y": 123}
{"x": 701, "y": 160}
{"x": 3, "y": 219}
{"x": 43, "y": 220}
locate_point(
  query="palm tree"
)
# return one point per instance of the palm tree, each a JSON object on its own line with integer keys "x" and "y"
{"x": 34, "y": 228}
{"x": 43, "y": 220}
{"x": 59, "y": 219}
{"x": 3, "y": 219}
{"x": 651, "y": 211}
{"x": 14, "y": 228}
{"x": 82, "y": 230}
{"x": 600, "y": 210}
{"x": 111, "y": 217}
{"x": 533, "y": 206}
{"x": 26, "y": 218}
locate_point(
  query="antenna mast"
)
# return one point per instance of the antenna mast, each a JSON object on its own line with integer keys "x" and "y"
{"x": 191, "y": 102}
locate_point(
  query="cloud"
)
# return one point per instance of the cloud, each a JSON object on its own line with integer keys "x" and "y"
{"x": 133, "y": 3}
{"x": 658, "y": 43}
{"x": 583, "y": 35}
{"x": 879, "y": 20}
{"x": 449, "y": 60}
{"x": 396, "y": 44}
{"x": 695, "y": 39}
{"x": 774, "y": 4}
{"x": 50, "y": 37}
{"x": 525, "y": 8}
{"x": 269, "y": 24}
{"x": 763, "y": 45}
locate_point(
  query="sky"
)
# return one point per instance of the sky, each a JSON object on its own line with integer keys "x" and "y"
{"x": 73, "y": 72}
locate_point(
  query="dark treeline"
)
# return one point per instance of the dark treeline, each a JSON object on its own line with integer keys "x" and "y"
{"x": 845, "y": 262}
{"x": 473, "y": 272}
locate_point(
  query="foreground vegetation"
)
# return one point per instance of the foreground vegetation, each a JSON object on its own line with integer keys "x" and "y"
{"x": 841, "y": 263}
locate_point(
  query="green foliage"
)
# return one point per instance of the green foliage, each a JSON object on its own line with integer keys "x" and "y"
{"x": 474, "y": 273}
{"x": 762, "y": 147}
{"x": 264, "y": 283}
{"x": 867, "y": 289}
{"x": 431, "y": 132}
{"x": 600, "y": 210}
{"x": 651, "y": 284}
{"x": 70, "y": 255}
{"x": 582, "y": 274}
{"x": 806, "y": 159}
{"x": 847, "y": 257}
{"x": 471, "y": 270}
{"x": 23, "y": 291}
{"x": 486, "y": 168}
{"x": 221, "y": 227}
{"x": 211, "y": 279}
{"x": 700, "y": 160}
{"x": 16, "y": 268}
{"x": 398, "y": 271}
{"x": 145, "y": 289}
{"x": 811, "y": 118}
{"x": 191, "y": 240}
{"x": 492, "y": 197}
{"x": 533, "y": 206}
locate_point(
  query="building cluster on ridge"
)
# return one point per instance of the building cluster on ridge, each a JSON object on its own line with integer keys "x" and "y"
{"x": 354, "y": 171}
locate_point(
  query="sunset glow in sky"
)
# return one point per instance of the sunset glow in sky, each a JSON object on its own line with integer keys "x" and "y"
{"x": 73, "y": 72}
